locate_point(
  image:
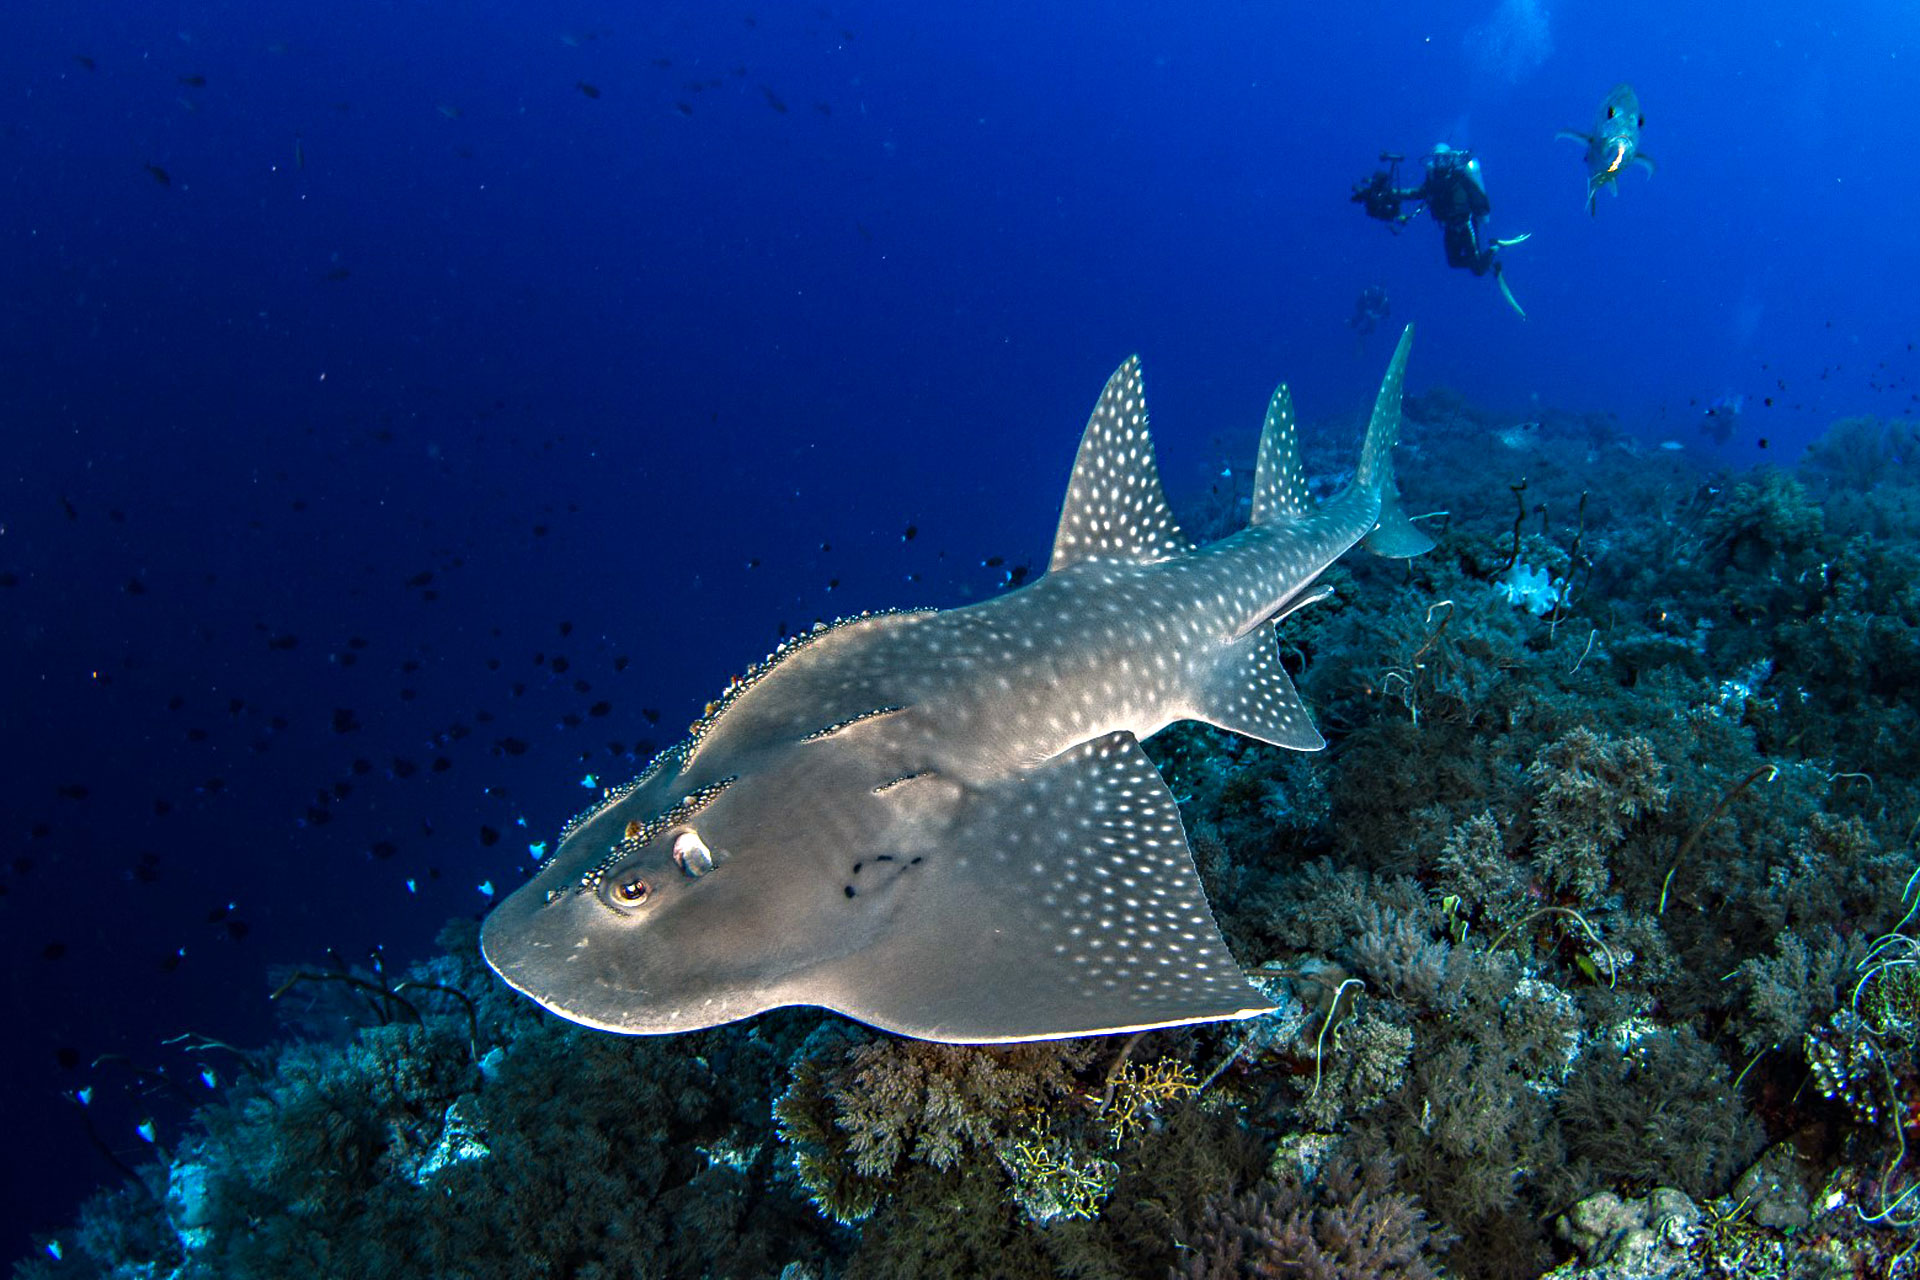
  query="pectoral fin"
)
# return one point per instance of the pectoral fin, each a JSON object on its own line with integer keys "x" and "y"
{"x": 1396, "y": 537}
{"x": 1064, "y": 902}
{"x": 1248, "y": 692}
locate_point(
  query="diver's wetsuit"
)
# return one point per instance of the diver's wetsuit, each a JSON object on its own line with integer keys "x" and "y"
{"x": 1369, "y": 309}
{"x": 1459, "y": 203}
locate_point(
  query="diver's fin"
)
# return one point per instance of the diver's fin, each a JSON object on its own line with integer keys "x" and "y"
{"x": 1507, "y": 293}
{"x": 1510, "y": 241}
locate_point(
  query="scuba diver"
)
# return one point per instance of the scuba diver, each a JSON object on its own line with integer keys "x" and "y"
{"x": 1369, "y": 309}
{"x": 1454, "y": 194}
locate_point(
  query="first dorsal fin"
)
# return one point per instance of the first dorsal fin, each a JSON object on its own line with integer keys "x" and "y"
{"x": 1116, "y": 508}
{"x": 1279, "y": 481}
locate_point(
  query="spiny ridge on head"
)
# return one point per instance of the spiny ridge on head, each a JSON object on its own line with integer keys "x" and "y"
{"x": 672, "y": 760}
{"x": 786, "y": 649}
{"x": 663, "y": 763}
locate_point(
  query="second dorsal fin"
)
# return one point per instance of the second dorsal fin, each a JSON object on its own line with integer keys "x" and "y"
{"x": 1279, "y": 481}
{"x": 1116, "y": 508}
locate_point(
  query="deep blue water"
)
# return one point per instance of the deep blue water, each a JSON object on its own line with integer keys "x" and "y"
{"x": 390, "y": 382}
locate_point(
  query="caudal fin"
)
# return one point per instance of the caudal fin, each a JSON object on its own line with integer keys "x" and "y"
{"x": 1394, "y": 535}
{"x": 1383, "y": 430}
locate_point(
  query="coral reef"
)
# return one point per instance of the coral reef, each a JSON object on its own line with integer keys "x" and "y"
{"x": 395, "y": 1152}
{"x": 1600, "y": 912}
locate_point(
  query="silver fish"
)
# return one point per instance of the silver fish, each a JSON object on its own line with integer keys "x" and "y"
{"x": 1613, "y": 145}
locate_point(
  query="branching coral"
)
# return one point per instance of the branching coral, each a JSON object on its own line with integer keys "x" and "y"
{"x": 1401, "y": 951}
{"x": 1660, "y": 1111}
{"x": 1760, "y": 521}
{"x": 1362, "y": 1063}
{"x": 1590, "y": 791}
{"x": 858, "y": 1112}
{"x": 1475, "y": 870}
{"x": 1052, "y": 1178}
{"x": 1860, "y": 453}
{"x": 1139, "y": 1092}
{"x": 1348, "y": 1224}
{"x": 1787, "y": 992}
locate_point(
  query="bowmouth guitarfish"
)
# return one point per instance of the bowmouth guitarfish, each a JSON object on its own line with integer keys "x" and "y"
{"x": 942, "y": 823}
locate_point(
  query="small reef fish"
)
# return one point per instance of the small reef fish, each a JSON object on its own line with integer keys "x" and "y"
{"x": 942, "y": 823}
{"x": 1614, "y": 142}
{"x": 1522, "y": 435}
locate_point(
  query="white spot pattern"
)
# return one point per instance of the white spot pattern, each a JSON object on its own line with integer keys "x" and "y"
{"x": 1279, "y": 481}
{"x": 1249, "y": 693}
{"x": 1115, "y": 506}
{"x": 1115, "y": 920}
